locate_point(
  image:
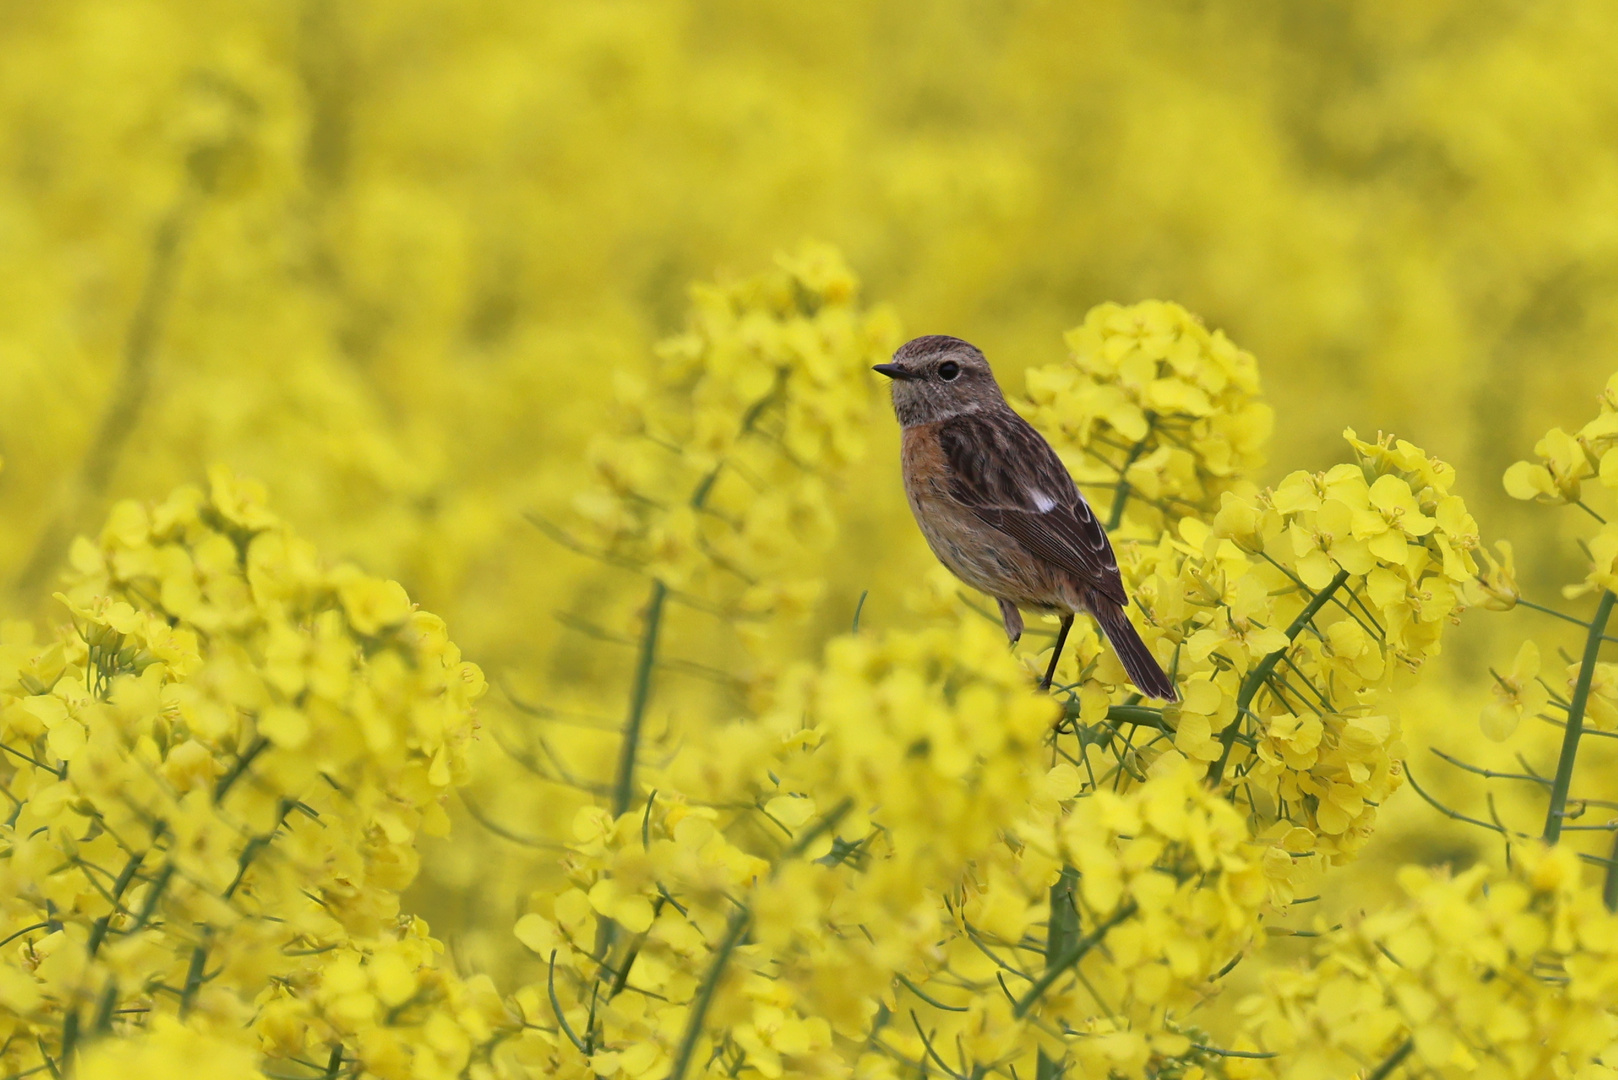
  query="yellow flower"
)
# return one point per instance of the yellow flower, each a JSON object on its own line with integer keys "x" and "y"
{"x": 1150, "y": 398}
{"x": 1556, "y": 476}
{"x": 170, "y": 1049}
{"x": 1603, "y": 575}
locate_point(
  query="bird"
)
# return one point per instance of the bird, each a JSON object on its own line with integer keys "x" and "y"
{"x": 998, "y": 507}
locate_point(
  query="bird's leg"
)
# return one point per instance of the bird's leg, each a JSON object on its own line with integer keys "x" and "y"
{"x": 1056, "y": 653}
{"x": 1012, "y": 618}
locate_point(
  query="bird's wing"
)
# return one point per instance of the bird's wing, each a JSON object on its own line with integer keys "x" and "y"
{"x": 1007, "y": 474}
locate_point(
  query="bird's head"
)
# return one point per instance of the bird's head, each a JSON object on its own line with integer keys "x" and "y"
{"x": 937, "y": 377}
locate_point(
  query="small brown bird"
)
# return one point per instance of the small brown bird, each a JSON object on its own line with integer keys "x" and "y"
{"x": 999, "y": 509}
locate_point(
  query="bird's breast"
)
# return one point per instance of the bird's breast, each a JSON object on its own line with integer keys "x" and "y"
{"x": 974, "y": 551}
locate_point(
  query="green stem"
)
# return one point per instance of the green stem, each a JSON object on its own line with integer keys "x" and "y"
{"x": 1061, "y": 936}
{"x": 1081, "y": 948}
{"x": 734, "y": 930}
{"x": 226, "y": 782}
{"x": 1139, "y": 715}
{"x": 1256, "y": 677}
{"x": 623, "y": 788}
{"x": 70, "y": 1039}
{"x": 102, "y": 1022}
{"x": 1609, "y": 886}
{"x": 193, "y": 975}
{"x": 1120, "y": 494}
{"x": 1575, "y": 719}
{"x": 628, "y": 962}
{"x": 1394, "y": 1060}
{"x": 98, "y": 930}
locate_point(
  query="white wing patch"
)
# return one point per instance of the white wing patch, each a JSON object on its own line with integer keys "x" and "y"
{"x": 1045, "y": 503}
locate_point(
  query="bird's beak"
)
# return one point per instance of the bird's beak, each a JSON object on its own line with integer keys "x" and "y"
{"x": 893, "y": 371}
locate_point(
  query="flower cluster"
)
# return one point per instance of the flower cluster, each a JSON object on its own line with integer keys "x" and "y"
{"x": 1479, "y": 974}
{"x": 1287, "y": 621}
{"x": 784, "y": 872}
{"x": 217, "y": 775}
{"x": 715, "y": 482}
{"x": 1565, "y": 461}
{"x": 1588, "y": 695}
{"x": 1155, "y": 407}
{"x": 1136, "y": 899}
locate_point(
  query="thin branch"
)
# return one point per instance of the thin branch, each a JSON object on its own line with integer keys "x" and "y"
{"x": 1120, "y": 498}
{"x": 1489, "y": 774}
{"x": 914, "y": 989}
{"x": 501, "y": 831}
{"x": 1543, "y": 610}
{"x": 563, "y": 538}
{"x": 556, "y": 1008}
{"x": 1455, "y": 815}
{"x": 1077, "y": 953}
{"x": 1609, "y": 882}
{"x": 734, "y": 929}
{"x": 1256, "y": 677}
{"x": 1256, "y": 1054}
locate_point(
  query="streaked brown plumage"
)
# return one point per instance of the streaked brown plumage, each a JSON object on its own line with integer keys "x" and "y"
{"x": 999, "y": 509}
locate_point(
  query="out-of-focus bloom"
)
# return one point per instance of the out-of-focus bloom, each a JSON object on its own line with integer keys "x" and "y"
{"x": 1495, "y": 585}
{"x": 1517, "y": 692}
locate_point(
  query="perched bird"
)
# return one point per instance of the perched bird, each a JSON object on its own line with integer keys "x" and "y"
{"x": 999, "y": 509}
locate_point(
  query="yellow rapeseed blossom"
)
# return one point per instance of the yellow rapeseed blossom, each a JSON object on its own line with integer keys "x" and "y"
{"x": 406, "y": 263}
{"x": 714, "y": 484}
{"x": 826, "y": 829}
{"x": 1154, "y": 407}
{"x": 1288, "y": 622}
{"x": 896, "y": 858}
{"x": 1477, "y": 975}
{"x": 218, "y": 773}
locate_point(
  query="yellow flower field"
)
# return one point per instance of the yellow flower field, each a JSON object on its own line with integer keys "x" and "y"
{"x": 460, "y": 617}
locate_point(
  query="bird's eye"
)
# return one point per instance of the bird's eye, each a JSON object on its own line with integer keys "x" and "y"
{"x": 948, "y": 370}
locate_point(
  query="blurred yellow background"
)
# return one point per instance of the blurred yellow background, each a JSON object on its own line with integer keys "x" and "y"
{"x": 388, "y": 257}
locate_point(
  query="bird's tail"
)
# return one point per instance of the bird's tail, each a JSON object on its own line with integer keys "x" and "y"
{"x": 1138, "y": 660}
